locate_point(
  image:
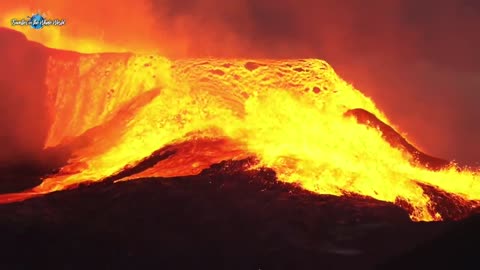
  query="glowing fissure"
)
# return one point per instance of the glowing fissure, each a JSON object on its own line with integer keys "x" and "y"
{"x": 288, "y": 114}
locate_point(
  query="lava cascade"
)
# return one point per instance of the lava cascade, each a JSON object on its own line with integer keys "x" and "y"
{"x": 116, "y": 109}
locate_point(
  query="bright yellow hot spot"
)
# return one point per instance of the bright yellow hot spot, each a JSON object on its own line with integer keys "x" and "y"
{"x": 289, "y": 114}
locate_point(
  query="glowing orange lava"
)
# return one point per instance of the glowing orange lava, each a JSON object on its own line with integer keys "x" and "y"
{"x": 289, "y": 114}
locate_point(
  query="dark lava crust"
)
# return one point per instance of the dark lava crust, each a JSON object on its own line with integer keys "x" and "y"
{"x": 224, "y": 218}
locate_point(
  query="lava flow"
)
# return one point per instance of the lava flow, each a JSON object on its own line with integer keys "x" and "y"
{"x": 297, "y": 117}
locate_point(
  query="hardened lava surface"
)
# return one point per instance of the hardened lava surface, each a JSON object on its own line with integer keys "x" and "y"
{"x": 224, "y": 218}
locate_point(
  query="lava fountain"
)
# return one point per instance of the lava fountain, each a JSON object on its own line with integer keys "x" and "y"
{"x": 297, "y": 117}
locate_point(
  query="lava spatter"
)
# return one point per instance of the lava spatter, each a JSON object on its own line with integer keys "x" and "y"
{"x": 118, "y": 112}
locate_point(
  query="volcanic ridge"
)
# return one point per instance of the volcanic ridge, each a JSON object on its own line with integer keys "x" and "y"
{"x": 228, "y": 163}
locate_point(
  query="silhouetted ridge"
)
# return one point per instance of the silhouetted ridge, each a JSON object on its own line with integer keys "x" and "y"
{"x": 190, "y": 222}
{"x": 396, "y": 140}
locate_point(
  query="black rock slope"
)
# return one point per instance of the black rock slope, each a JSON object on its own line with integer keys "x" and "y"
{"x": 221, "y": 219}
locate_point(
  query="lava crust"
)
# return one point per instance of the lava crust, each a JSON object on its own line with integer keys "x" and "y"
{"x": 224, "y": 218}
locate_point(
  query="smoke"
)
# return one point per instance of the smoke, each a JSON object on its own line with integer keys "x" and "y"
{"x": 23, "y": 118}
{"x": 417, "y": 60}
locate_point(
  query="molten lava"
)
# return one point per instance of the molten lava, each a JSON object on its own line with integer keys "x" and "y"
{"x": 118, "y": 110}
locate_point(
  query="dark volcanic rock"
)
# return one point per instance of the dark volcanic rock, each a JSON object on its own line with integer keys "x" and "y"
{"x": 449, "y": 206}
{"x": 222, "y": 219}
{"x": 396, "y": 140}
{"x": 456, "y": 249}
{"x": 24, "y": 174}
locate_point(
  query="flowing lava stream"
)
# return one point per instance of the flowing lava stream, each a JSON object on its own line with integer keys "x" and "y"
{"x": 297, "y": 117}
